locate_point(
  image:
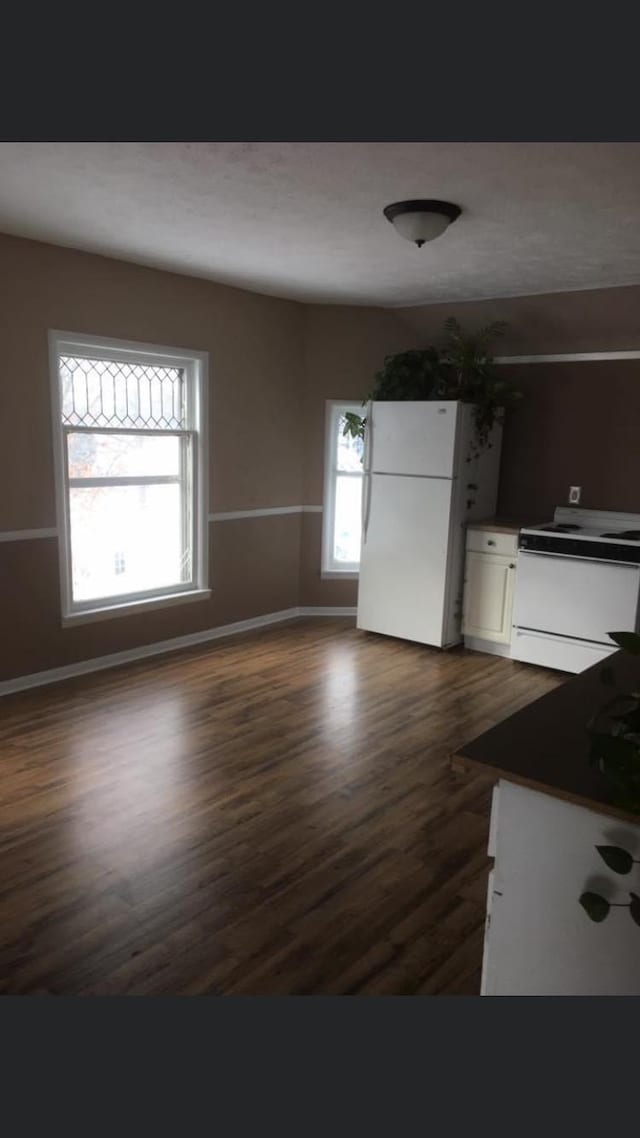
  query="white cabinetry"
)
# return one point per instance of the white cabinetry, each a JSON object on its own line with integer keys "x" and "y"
{"x": 489, "y": 584}
{"x": 539, "y": 941}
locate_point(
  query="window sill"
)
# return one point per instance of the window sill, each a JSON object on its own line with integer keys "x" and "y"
{"x": 86, "y": 616}
{"x": 339, "y": 575}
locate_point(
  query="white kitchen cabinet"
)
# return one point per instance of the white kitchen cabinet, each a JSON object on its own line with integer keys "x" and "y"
{"x": 539, "y": 941}
{"x": 488, "y": 597}
{"x": 489, "y": 585}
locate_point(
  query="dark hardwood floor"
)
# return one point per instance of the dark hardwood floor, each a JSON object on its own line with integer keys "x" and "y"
{"x": 274, "y": 813}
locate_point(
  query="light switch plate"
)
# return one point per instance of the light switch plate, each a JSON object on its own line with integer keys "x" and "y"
{"x": 574, "y": 495}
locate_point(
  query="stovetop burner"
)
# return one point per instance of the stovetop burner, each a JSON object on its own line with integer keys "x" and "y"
{"x": 624, "y": 535}
{"x": 564, "y": 527}
{"x": 586, "y": 540}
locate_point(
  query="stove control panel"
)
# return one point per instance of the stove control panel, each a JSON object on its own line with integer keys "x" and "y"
{"x": 578, "y": 547}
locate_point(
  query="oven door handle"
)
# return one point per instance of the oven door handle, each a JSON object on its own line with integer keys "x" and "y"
{"x": 523, "y": 552}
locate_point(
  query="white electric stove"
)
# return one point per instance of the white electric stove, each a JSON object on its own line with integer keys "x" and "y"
{"x": 578, "y": 580}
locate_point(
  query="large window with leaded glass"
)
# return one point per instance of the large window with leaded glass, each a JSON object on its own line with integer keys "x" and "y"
{"x": 342, "y": 507}
{"x": 130, "y": 445}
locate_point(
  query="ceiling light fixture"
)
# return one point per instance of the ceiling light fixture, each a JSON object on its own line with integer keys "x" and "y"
{"x": 421, "y": 220}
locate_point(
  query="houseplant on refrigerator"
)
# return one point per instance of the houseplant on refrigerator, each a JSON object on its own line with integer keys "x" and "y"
{"x": 461, "y": 368}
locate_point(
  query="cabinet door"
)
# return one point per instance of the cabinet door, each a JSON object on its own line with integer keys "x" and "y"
{"x": 488, "y": 596}
{"x": 539, "y": 941}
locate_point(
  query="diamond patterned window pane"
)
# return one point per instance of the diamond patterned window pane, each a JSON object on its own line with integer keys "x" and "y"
{"x": 110, "y": 393}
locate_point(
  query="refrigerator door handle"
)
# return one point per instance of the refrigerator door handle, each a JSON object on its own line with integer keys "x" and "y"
{"x": 367, "y": 453}
{"x": 366, "y": 467}
{"x": 366, "y": 502}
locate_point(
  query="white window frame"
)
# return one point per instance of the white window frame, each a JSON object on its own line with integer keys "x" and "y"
{"x": 332, "y": 569}
{"x": 195, "y": 365}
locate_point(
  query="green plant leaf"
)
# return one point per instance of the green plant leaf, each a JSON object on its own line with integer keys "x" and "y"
{"x": 630, "y": 641}
{"x": 353, "y": 425}
{"x": 632, "y": 720}
{"x": 626, "y": 708}
{"x": 460, "y": 368}
{"x": 607, "y": 676}
{"x": 619, "y": 860}
{"x": 634, "y": 908}
{"x": 595, "y": 906}
{"x": 615, "y": 751}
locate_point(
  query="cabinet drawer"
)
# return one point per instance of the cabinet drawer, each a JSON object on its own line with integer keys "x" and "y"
{"x": 489, "y": 541}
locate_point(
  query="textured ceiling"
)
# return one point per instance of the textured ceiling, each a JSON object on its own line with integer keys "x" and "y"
{"x": 304, "y": 220}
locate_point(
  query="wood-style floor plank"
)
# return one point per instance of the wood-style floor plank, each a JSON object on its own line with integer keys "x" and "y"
{"x": 272, "y": 814}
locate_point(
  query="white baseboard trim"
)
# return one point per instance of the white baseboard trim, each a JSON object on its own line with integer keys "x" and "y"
{"x": 99, "y": 663}
{"x": 332, "y": 610}
{"x": 489, "y": 646}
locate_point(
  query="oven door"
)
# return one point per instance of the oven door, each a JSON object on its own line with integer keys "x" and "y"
{"x": 577, "y": 597}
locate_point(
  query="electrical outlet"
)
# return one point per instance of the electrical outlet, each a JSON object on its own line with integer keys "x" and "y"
{"x": 574, "y": 495}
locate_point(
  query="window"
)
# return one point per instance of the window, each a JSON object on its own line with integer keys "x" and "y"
{"x": 130, "y": 446}
{"x": 342, "y": 494}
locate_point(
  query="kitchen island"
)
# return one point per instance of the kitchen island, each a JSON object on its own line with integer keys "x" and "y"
{"x": 550, "y": 810}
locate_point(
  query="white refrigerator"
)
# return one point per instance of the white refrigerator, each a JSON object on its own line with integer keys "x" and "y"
{"x": 423, "y": 482}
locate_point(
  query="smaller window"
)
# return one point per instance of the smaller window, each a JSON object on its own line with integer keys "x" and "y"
{"x": 119, "y": 563}
{"x": 342, "y": 494}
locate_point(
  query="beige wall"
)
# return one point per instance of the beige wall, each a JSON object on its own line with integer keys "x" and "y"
{"x": 344, "y": 347}
{"x": 577, "y": 426}
{"x": 274, "y": 364}
{"x": 577, "y": 423}
{"x": 255, "y": 344}
{"x": 254, "y": 564}
{"x": 596, "y": 320}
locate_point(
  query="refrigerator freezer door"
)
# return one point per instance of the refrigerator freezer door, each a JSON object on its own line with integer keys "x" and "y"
{"x": 403, "y": 567}
{"x": 413, "y": 438}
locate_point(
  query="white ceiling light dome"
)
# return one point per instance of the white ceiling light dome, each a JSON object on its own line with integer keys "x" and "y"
{"x": 421, "y": 220}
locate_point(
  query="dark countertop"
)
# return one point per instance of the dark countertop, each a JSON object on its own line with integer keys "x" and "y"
{"x": 545, "y": 745}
